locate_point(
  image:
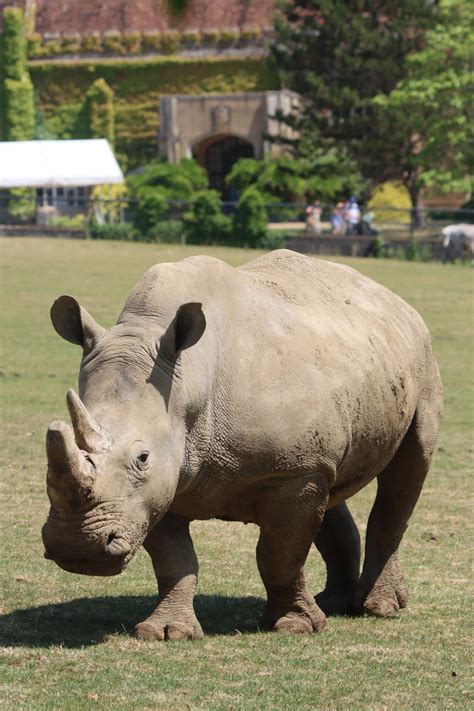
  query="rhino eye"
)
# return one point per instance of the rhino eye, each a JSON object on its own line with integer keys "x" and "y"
{"x": 143, "y": 457}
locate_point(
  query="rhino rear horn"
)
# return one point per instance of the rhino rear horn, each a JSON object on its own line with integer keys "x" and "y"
{"x": 90, "y": 436}
{"x": 74, "y": 323}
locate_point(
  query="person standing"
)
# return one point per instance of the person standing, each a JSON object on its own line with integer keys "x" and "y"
{"x": 313, "y": 217}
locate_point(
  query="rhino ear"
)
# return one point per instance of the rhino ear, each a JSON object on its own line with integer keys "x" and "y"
{"x": 73, "y": 323}
{"x": 185, "y": 330}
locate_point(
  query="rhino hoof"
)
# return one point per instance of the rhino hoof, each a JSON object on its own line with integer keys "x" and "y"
{"x": 169, "y": 632}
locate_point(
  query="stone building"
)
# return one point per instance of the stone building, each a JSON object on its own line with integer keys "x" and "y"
{"x": 218, "y": 129}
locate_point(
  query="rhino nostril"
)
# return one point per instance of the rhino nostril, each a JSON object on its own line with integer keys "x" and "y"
{"x": 116, "y": 546}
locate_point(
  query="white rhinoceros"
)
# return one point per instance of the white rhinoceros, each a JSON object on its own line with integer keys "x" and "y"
{"x": 269, "y": 394}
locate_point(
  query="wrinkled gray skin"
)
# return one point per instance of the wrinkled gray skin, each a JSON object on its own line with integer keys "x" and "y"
{"x": 267, "y": 394}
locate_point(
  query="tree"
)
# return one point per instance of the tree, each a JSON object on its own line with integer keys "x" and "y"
{"x": 429, "y": 115}
{"x": 339, "y": 55}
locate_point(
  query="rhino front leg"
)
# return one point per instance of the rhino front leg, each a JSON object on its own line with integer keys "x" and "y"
{"x": 288, "y": 524}
{"x": 176, "y": 568}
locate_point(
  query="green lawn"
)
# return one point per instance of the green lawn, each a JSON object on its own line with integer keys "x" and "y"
{"x": 66, "y": 638}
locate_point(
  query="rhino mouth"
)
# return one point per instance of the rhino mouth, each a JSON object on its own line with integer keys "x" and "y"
{"x": 87, "y": 566}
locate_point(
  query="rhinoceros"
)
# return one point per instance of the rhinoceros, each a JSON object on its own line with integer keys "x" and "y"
{"x": 268, "y": 393}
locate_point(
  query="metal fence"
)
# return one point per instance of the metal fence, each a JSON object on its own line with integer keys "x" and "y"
{"x": 73, "y": 212}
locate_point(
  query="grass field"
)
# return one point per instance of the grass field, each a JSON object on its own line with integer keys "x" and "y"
{"x": 67, "y": 639}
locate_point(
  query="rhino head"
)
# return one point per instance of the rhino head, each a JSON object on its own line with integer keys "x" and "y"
{"x": 113, "y": 474}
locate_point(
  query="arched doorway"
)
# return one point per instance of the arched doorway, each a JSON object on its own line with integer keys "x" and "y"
{"x": 217, "y": 155}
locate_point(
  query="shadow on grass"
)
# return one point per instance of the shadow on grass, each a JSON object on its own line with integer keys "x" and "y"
{"x": 87, "y": 621}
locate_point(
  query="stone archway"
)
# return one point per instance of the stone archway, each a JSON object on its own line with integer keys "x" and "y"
{"x": 217, "y": 154}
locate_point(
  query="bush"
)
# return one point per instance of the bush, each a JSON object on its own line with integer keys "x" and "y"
{"x": 273, "y": 239}
{"x": 151, "y": 41}
{"x": 123, "y": 231}
{"x": 14, "y": 44}
{"x": 192, "y": 37}
{"x": 390, "y": 195}
{"x": 205, "y": 223}
{"x": 170, "y": 41}
{"x": 151, "y": 208}
{"x": 92, "y": 44}
{"x": 112, "y": 42}
{"x": 175, "y": 182}
{"x": 415, "y": 252}
{"x": 251, "y": 219}
{"x": 19, "y": 109}
{"x": 71, "y": 44}
{"x": 132, "y": 42}
{"x": 75, "y": 222}
{"x": 166, "y": 232}
{"x": 22, "y": 204}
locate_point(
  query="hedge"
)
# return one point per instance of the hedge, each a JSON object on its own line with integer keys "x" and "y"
{"x": 13, "y": 45}
{"x": 115, "y": 43}
{"x": 19, "y": 111}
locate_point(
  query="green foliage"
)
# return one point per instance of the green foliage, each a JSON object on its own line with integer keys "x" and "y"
{"x": 70, "y": 222}
{"x": 205, "y": 223}
{"x": 14, "y": 44}
{"x": 390, "y": 195}
{"x": 92, "y": 43}
{"x": 22, "y": 203}
{"x": 151, "y": 208}
{"x": 430, "y": 111}
{"x": 339, "y": 56}
{"x": 166, "y": 232}
{"x": 251, "y": 219}
{"x": 178, "y": 7}
{"x": 314, "y": 173}
{"x": 100, "y": 104}
{"x": 19, "y": 109}
{"x": 416, "y": 252}
{"x": 170, "y": 41}
{"x": 60, "y": 90}
{"x": 123, "y": 231}
{"x": 151, "y": 41}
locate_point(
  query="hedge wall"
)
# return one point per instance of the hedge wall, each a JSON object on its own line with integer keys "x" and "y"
{"x": 61, "y": 88}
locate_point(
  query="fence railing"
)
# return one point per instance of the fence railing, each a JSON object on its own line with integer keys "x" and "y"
{"x": 75, "y": 212}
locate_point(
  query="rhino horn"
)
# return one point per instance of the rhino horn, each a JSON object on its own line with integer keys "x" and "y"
{"x": 90, "y": 436}
{"x": 66, "y": 464}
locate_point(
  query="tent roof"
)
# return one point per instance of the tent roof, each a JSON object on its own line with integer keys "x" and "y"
{"x": 46, "y": 164}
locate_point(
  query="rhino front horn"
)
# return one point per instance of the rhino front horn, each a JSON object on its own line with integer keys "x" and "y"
{"x": 90, "y": 436}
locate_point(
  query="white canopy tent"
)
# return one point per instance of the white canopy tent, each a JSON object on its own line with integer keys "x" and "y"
{"x": 49, "y": 164}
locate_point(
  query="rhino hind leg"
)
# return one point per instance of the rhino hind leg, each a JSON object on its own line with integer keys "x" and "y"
{"x": 338, "y": 541}
{"x": 382, "y": 590}
{"x": 288, "y": 524}
{"x": 176, "y": 567}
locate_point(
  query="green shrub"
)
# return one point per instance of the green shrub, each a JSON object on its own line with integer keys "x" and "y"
{"x": 19, "y": 109}
{"x": 251, "y": 33}
{"x": 170, "y": 41}
{"x": 151, "y": 41}
{"x": 35, "y": 47}
{"x": 390, "y": 195}
{"x": 229, "y": 35}
{"x": 166, "y": 232}
{"x": 14, "y": 44}
{"x": 416, "y": 252}
{"x": 100, "y": 109}
{"x": 22, "y": 204}
{"x": 151, "y": 208}
{"x": 191, "y": 37}
{"x": 92, "y": 43}
{"x": 205, "y": 223}
{"x": 52, "y": 45}
{"x": 123, "y": 231}
{"x": 73, "y": 222}
{"x": 132, "y": 42}
{"x": 175, "y": 182}
{"x": 112, "y": 42}
{"x": 211, "y": 36}
{"x": 251, "y": 219}
{"x": 71, "y": 43}
{"x": 273, "y": 239}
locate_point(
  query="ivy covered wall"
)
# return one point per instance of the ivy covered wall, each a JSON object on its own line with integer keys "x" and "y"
{"x": 61, "y": 88}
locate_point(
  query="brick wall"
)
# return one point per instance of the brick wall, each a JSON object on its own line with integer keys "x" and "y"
{"x": 144, "y": 15}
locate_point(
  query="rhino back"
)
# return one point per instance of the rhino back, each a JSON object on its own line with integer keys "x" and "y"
{"x": 311, "y": 362}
